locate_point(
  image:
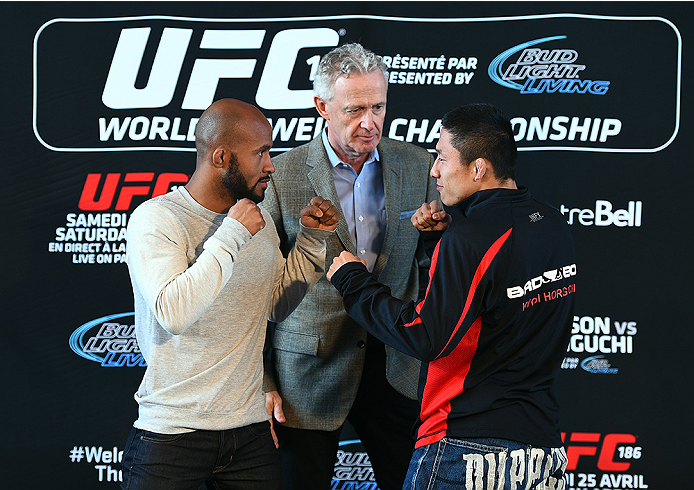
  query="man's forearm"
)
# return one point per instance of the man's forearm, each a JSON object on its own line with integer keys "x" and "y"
{"x": 178, "y": 293}
{"x": 304, "y": 266}
{"x": 372, "y": 305}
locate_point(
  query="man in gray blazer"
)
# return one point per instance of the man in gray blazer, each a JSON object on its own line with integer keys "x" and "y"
{"x": 324, "y": 366}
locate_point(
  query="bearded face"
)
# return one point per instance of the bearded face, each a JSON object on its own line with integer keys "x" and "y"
{"x": 241, "y": 186}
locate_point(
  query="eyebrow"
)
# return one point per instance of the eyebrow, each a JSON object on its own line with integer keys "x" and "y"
{"x": 363, "y": 106}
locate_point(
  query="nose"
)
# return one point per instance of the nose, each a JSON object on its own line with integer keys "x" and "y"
{"x": 435, "y": 169}
{"x": 268, "y": 166}
{"x": 367, "y": 121}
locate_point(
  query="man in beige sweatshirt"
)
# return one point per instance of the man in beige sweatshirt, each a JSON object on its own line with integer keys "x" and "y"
{"x": 207, "y": 273}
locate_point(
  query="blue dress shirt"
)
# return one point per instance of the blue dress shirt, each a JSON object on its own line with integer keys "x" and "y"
{"x": 363, "y": 202}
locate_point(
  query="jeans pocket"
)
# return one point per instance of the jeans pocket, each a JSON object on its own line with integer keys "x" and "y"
{"x": 157, "y": 438}
{"x": 260, "y": 429}
{"x": 460, "y": 464}
{"x": 478, "y": 446}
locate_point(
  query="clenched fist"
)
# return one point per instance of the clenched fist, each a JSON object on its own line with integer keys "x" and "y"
{"x": 341, "y": 260}
{"x": 320, "y": 213}
{"x": 248, "y": 214}
{"x": 431, "y": 217}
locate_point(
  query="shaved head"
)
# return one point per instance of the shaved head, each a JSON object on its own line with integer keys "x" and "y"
{"x": 224, "y": 122}
{"x": 233, "y": 141}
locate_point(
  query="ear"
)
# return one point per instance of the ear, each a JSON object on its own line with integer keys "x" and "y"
{"x": 480, "y": 169}
{"x": 220, "y": 157}
{"x": 321, "y": 107}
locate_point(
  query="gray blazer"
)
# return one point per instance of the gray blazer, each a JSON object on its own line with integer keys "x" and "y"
{"x": 317, "y": 353}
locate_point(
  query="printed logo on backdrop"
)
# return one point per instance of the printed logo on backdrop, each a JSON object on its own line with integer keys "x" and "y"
{"x": 595, "y": 340}
{"x": 353, "y": 469}
{"x": 97, "y": 233}
{"x": 588, "y": 103}
{"x": 603, "y": 461}
{"x": 147, "y": 79}
{"x": 538, "y": 71}
{"x": 195, "y": 62}
{"x": 605, "y": 213}
{"x": 552, "y": 71}
{"x": 109, "y": 340}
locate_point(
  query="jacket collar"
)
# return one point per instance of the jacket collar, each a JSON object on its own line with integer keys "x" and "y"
{"x": 481, "y": 198}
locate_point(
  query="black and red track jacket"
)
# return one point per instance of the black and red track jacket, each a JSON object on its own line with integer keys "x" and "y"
{"x": 494, "y": 325}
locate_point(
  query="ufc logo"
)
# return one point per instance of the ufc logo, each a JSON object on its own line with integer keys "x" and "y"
{"x": 606, "y": 449}
{"x": 273, "y": 91}
{"x": 133, "y": 184}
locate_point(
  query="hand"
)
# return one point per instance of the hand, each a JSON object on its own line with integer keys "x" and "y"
{"x": 320, "y": 213}
{"x": 273, "y": 404}
{"x": 341, "y": 260}
{"x": 248, "y": 214}
{"x": 431, "y": 217}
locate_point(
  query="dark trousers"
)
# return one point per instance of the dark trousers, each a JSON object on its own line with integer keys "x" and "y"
{"x": 235, "y": 459}
{"x": 382, "y": 418}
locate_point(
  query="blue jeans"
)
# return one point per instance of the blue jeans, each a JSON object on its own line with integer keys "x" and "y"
{"x": 243, "y": 458}
{"x": 486, "y": 464}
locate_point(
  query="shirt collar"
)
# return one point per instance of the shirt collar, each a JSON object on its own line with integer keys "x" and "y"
{"x": 335, "y": 160}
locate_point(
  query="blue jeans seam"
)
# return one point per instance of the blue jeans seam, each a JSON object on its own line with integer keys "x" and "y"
{"x": 219, "y": 468}
{"x": 132, "y": 464}
{"x": 440, "y": 449}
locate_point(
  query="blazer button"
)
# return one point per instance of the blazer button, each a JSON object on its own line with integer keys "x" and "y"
{"x": 361, "y": 344}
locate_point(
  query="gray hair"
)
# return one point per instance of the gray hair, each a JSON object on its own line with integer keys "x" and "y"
{"x": 343, "y": 61}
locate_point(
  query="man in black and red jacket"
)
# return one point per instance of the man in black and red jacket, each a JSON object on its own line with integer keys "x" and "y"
{"x": 494, "y": 325}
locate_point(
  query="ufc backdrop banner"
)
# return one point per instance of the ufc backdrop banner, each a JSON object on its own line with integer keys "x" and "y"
{"x": 99, "y": 113}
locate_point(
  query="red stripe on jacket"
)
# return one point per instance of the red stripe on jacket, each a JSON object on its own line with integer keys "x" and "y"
{"x": 446, "y": 375}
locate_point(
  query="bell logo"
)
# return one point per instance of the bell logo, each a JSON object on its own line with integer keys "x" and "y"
{"x": 273, "y": 92}
{"x": 603, "y": 215}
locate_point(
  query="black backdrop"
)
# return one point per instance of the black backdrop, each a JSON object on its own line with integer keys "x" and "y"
{"x": 98, "y": 101}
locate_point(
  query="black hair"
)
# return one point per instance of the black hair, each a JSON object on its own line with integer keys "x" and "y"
{"x": 483, "y": 131}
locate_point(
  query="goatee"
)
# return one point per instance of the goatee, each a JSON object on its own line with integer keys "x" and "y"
{"x": 238, "y": 186}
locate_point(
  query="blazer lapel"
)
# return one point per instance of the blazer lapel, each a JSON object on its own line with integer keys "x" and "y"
{"x": 321, "y": 178}
{"x": 392, "y": 186}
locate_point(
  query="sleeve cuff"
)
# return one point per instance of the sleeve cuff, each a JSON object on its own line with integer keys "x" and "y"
{"x": 338, "y": 278}
{"x": 314, "y": 236}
